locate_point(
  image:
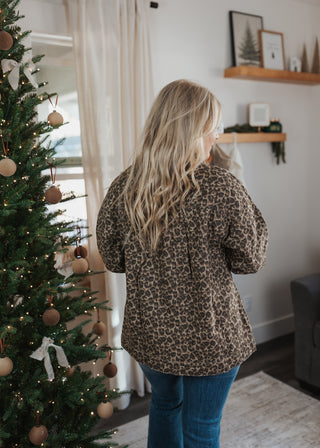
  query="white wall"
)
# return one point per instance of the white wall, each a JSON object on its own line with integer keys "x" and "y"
{"x": 191, "y": 39}
{"x": 44, "y": 16}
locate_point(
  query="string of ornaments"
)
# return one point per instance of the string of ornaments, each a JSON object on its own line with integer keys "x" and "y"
{"x": 80, "y": 264}
{"x": 8, "y": 167}
{"x": 105, "y": 408}
{"x": 110, "y": 370}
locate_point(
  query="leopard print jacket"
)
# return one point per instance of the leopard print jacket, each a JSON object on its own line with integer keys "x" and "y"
{"x": 183, "y": 313}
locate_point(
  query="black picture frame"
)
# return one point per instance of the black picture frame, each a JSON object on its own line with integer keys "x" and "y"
{"x": 245, "y": 45}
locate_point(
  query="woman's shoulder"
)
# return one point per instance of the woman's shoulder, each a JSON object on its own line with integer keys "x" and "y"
{"x": 119, "y": 182}
{"x": 218, "y": 184}
{"x": 217, "y": 176}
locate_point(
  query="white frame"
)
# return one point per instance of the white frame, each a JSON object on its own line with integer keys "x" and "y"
{"x": 272, "y": 49}
{"x": 260, "y": 108}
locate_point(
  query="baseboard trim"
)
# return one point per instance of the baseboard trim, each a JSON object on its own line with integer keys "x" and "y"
{"x": 271, "y": 329}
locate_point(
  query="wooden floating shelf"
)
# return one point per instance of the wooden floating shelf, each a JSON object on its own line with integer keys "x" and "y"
{"x": 258, "y": 137}
{"x": 267, "y": 74}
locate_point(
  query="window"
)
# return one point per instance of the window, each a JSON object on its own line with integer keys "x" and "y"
{"x": 57, "y": 69}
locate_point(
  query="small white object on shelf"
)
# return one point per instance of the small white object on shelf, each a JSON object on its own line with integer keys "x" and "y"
{"x": 259, "y": 114}
{"x": 295, "y": 64}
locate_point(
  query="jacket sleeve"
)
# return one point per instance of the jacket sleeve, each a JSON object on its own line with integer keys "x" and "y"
{"x": 247, "y": 238}
{"x": 110, "y": 239}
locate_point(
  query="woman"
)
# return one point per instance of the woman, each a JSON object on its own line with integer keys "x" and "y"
{"x": 178, "y": 227}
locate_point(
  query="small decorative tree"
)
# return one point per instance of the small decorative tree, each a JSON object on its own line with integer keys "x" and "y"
{"x": 304, "y": 60}
{"x": 316, "y": 58}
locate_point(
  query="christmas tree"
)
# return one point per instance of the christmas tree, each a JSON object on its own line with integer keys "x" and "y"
{"x": 47, "y": 399}
{"x": 249, "y": 50}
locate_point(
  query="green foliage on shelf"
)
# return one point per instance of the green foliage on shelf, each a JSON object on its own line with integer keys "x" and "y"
{"x": 278, "y": 148}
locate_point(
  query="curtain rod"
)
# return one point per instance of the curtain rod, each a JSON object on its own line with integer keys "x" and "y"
{"x": 154, "y": 4}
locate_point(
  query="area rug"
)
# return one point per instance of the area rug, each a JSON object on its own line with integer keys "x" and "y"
{"x": 261, "y": 412}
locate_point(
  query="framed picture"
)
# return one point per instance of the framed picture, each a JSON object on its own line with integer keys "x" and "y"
{"x": 245, "y": 38}
{"x": 272, "y": 49}
{"x": 259, "y": 114}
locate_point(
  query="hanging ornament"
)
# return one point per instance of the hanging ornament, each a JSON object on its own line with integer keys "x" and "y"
{"x": 39, "y": 433}
{"x": 99, "y": 327}
{"x": 80, "y": 251}
{"x": 6, "y": 40}
{"x": 6, "y": 365}
{"x": 110, "y": 370}
{"x": 53, "y": 195}
{"x": 7, "y": 166}
{"x": 51, "y": 316}
{"x": 70, "y": 372}
{"x": 54, "y": 118}
{"x": 80, "y": 266}
{"x": 105, "y": 409}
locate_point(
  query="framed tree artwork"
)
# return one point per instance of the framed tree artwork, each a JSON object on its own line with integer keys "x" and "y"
{"x": 245, "y": 38}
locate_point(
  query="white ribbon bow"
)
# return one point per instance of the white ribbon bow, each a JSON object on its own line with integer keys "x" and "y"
{"x": 43, "y": 353}
{"x": 12, "y": 66}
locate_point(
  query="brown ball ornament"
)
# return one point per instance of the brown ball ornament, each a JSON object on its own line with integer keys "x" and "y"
{"x": 99, "y": 328}
{"x": 38, "y": 435}
{"x": 55, "y": 118}
{"x": 7, "y": 167}
{"x": 81, "y": 251}
{"x": 110, "y": 370}
{"x": 105, "y": 410}
{"x": 53, "y": 195}
{"x": 70, "y": 372}
{"x": 51, "y": 317}
{"x": 6, "y": 366}
{"x": 80, "y": 266}
{"x": 6, "y": 40}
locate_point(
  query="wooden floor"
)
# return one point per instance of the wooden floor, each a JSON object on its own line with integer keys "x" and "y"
{"x": 276, "y": 358}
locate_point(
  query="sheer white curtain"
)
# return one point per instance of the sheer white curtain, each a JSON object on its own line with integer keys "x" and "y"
{"x": 114, "y": 81}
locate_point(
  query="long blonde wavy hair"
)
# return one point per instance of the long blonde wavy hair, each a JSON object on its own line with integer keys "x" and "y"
{"x": 170, "y": 149}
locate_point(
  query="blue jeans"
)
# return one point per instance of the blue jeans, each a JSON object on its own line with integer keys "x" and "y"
{"x": 185, "y": 411}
